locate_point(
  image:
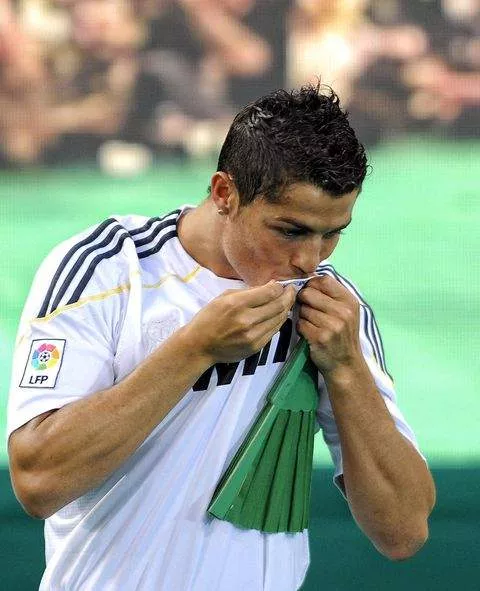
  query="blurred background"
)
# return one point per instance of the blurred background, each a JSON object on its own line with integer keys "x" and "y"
{"x": 115, "y": 106}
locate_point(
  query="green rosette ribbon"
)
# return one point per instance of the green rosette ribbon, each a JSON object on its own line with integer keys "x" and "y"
{"x": 267, "y": 484}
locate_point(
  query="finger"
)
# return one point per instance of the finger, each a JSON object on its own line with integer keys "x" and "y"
{"x": 320, "y": 301}
{"x": 261, "y": 295}
{"x": 329, "y": 286}
{"x": 262, "y": 333}
{"x": 279, "y": 306}
{"x": 319, "y": 319}
{"x": 277, "y": 311}
{"x": 307, "y": 330}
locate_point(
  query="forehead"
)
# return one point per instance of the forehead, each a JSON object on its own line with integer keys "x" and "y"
{"x": 312, "y": 205}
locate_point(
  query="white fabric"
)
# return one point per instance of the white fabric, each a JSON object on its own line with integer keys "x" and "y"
{"x": 146, "y": 527}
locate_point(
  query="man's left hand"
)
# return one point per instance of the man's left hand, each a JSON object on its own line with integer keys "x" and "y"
{"x": 329, "y": 320}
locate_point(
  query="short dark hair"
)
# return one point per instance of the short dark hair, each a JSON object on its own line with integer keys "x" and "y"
{"x": 293, "y": 136}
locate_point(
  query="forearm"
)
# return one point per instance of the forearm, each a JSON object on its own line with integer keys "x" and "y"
{"x": 97, "y": 113}
{"x": 241, "y": 49}
{"x": 388, "y": 486}
{"x": 75, "y": 448}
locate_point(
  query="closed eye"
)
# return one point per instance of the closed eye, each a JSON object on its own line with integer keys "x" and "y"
{"x": 292, "y": 232}
{"x": 330, "y": 235}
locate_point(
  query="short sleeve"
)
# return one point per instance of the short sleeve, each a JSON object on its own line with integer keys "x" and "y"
{"x": 373, "y": 352}
{"x": 65, "y": 345}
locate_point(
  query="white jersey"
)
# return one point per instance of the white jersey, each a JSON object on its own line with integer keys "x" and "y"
{"x": 100, "y": 303}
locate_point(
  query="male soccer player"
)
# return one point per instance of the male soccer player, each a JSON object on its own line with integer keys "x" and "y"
{"x": 146, "y": 349}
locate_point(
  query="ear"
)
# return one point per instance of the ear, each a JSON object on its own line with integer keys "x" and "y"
{"x": 224, "y": 193}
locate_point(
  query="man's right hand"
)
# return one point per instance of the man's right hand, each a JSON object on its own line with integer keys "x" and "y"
{"x": 240, "y": 322}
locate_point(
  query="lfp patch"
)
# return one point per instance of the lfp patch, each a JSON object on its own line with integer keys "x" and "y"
{"x": 43, "y": 364}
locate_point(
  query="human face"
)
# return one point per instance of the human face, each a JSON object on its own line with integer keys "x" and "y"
{"x": 288, "y": 239}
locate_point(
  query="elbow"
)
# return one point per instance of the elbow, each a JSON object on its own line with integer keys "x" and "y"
{"x": 32, "y": 493}
{"x": 33, "y": 483}
{"x": 405, "y": 546}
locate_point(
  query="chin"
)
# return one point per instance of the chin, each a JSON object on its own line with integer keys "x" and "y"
{"x": 253, "y": 278}
{"x": 255, "y": 281}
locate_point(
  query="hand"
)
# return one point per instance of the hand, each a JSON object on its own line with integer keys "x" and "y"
{"x": 329, "y": 320}
{"x": 240, "y": 322}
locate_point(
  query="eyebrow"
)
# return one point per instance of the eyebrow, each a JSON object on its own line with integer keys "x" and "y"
{"x": 301, "y": 226}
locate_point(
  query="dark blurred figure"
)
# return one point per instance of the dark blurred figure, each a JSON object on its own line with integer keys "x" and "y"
{"x": 81, "y": 78}
{"x": 414, "y": 85}
{"x": 63, "y": 92}
{"x": 168, "y": 74}
{"x": 95, "y": 78}
{"x": 203, "y": 58}
{"x": 23, "y": 91}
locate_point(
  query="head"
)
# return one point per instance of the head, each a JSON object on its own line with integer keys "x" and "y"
{"x": 288, "y": 175}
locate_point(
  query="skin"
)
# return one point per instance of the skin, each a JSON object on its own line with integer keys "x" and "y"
{"x": 63, "y": 453}
{"x": 252, "y": 243}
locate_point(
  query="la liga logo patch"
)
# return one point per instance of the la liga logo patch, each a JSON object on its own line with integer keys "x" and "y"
{"x": 43, "y": 363}
{"x": 45, "y": 357}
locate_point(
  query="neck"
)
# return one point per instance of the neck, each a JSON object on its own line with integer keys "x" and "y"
{"x": 200, "y": 233}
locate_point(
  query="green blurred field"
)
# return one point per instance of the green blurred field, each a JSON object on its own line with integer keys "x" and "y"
{"x": 413, "y": 250}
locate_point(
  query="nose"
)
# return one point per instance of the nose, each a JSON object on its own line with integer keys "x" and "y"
{"x": 308, "y": 256}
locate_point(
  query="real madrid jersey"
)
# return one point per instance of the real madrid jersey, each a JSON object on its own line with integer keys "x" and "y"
{"x": 100, "y": 303}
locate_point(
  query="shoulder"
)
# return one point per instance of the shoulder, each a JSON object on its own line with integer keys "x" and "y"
{"x": 148, "y": 235}
{"x": 101, "y": 258}
{"x": 97, "y": 256}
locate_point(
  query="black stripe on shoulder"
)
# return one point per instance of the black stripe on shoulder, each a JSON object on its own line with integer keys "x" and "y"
{"x": 89, "y": 239}
{"x": 81, "y": 259}
{"x": 155, "y": 232}
{"x": 151, "y": 221}
{"x": 92, "y": 266}
{"x": 165, "y": 238}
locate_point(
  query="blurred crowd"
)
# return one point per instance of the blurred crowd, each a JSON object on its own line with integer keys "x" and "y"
{"x": 400, "y": 66}
{"x": 122, "y": 80}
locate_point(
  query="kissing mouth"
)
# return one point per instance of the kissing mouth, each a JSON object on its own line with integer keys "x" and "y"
{"x": 297, "y": 283}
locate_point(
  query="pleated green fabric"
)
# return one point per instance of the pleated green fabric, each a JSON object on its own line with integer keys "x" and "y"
{"x": 267, "y": 484}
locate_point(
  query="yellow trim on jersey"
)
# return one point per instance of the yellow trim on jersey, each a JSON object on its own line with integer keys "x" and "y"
{"x": 162, "y": 280}
{"x": 114, "y": 291}
{"x": 93, "y": 298}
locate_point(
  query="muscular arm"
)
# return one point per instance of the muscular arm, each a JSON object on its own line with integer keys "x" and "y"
{"x": 388, "y": 486}
{"x": 61, "y": 454}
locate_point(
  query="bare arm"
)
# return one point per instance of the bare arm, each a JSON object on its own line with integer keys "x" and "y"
{"x": 242, "y": 51}
{"x": 100, "y": 112}
{"x": 60, "y": 455}
{"x": 388, "y": 486}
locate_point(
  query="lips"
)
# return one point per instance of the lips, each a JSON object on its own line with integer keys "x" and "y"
{"x": 298, "y": 284}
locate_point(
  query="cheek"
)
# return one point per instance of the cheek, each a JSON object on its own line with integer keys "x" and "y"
{"x": 254, "y": 245}
{"x": 255, "y": 255}
{"x": 270, "y": 251}
{"x": 328, "y": 247}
